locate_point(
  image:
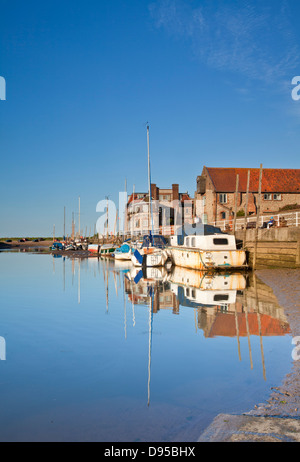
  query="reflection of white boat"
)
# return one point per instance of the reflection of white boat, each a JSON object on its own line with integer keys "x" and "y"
{"x": 155, "y": 274}
{"x": 207, "y": 280}
{"x": 194, "y": 288}
{"x": 206, "y": 247}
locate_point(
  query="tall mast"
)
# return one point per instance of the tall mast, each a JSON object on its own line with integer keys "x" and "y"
{"x": 79, "y": 215}
{"x": 149, "y": 180}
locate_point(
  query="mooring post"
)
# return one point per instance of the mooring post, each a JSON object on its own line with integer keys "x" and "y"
{"x": 298, "y": 252}
{"x": 235, "y": 205}
{"x": 246, "y": 210}
{"x": 258, "y": 217}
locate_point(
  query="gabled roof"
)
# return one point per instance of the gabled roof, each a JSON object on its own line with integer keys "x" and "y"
{"x": 273, "y": 180}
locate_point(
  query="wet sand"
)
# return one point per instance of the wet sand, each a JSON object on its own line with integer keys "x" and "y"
{"x": 284, "y": 400}
{"x": 277, "y": 419}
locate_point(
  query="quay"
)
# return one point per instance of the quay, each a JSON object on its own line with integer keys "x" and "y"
{"x": 275, "y": 247}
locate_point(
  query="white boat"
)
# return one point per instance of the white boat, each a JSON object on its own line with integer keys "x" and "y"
{"x": 206, "y": 247}
{"x": 124, "y": 252}
{"x": 152, "y": 253}
{"x": 107, "y": 250}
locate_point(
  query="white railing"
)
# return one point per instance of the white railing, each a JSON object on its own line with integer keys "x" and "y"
{"x": 281, "y": 219}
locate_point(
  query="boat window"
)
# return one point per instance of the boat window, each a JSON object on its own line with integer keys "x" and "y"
{"x": 187, "y": 242}
{"x": 220, "y": 241}
{"x": 221, "y": 297}
{"x": 193, "y": 243}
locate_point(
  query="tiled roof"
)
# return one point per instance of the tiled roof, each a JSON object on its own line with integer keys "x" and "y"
{"x": 273, "y": 180}
{"x": 225, "y": 325}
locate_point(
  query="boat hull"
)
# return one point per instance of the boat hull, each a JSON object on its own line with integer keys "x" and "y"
{"x": 107, "y": 251}
{"x": 149, "y": 257}
{"x": 94, "y": 248}
{"x": 207, "y": 259}
{"x": 123, "y": 256}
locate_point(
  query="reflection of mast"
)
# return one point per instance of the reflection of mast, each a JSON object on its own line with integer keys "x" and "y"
{"x": 125, "y": 320}
{"x": 150, "y": 341}
{"x": 106, "y": 271}
{"x": 64, "y": 270}
{"x": 132, "y": 300}
{"x": 248, "y": 333}
{"x": 259, "y": 327}
{"x": 237, "y": 332}
{"x": 115, "y": 282}
{"x": 73, "y": 270}
{"x": 79, "y": 262}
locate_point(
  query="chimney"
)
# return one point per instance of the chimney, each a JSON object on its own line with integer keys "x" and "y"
{"x": 175, "y": 192}
{"x": 154, "y": 192}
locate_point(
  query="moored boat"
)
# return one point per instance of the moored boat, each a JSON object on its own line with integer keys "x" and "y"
{"x": 206, "y": 247}
{"x": 107, "y": 250}
{"x": 94, "y": 248}
{"x": 123, "y": 252}
{"x": 152, "y": 253}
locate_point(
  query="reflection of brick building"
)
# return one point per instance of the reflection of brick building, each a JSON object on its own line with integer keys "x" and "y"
{"x": 216, "y": 191}
{"x": 169, "y": 208}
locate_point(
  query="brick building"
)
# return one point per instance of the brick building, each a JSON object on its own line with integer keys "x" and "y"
{"x": 216, "y": 191}
{"x": 170, "y": 208}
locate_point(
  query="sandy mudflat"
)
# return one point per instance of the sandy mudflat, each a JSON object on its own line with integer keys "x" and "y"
{"x": 284, "y": 400}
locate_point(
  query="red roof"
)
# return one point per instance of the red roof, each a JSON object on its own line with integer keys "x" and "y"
{"x": 273, "y": 180}
{"x": 225, "y": 324}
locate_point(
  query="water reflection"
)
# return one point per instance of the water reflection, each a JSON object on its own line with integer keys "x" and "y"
{"x": 225, "y": 305}
{"x": 136, "y": 355}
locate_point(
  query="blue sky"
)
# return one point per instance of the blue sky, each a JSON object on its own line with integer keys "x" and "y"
{"x": 212, "y": 78}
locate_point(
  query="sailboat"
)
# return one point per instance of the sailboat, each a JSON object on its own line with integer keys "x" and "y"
{"x": 153, "y": 251}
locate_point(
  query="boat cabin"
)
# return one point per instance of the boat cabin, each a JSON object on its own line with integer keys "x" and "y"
{"x": 204, "y": 237}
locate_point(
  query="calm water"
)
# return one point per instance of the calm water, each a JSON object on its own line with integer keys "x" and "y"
{"x": 94, "y": 351}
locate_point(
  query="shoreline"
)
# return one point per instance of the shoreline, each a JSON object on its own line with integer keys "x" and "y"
{"x": 277, "y": 419}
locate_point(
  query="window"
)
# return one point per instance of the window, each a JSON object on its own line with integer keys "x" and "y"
{"x": 220, "y": 241}
{"x": 221, "y": 298}
{"x": 137, "y": 223}
{"x": 277, "y": 197}
{"x": 223, "y": 198}
{"x": 193, "y": 243}
{"x": 267, "y": 197}
{"x": 223, "y": 215}
{"x": 187, "y": 242}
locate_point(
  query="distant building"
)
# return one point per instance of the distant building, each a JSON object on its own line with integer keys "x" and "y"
{"x": 170, "y": 209}
{"x": 216, "y": 190}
